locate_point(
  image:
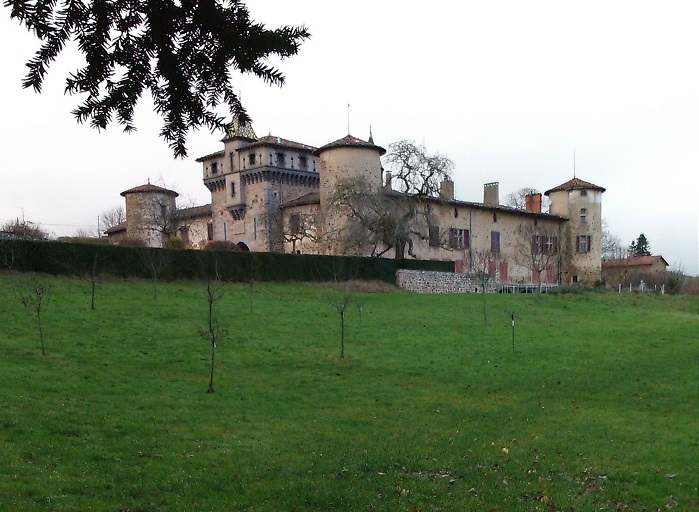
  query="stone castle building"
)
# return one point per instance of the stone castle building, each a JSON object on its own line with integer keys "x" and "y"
{"x": 275, "y": 195}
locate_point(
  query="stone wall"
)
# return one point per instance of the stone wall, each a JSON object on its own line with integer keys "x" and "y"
{"x": 422, "y": 281}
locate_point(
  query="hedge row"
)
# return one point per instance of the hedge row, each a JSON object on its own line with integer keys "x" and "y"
{"x": 118, "y": 261}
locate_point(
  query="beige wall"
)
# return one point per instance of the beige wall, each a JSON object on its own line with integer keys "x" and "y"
{"x": 582, "y": 267}
{"x": 149, "y": 217}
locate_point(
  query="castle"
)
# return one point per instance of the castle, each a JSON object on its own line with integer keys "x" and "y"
{"x": 275, "y": 195}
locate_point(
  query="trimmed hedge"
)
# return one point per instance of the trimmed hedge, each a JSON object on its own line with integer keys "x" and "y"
{"x": 122, "y": 261}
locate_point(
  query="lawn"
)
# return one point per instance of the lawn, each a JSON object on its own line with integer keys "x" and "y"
{"x": 596, "y": 408}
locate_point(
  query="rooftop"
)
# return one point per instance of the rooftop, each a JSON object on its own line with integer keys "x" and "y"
{"x": 575, "y": 184}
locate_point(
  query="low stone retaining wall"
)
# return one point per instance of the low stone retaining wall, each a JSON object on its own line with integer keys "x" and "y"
{"x": 422, "y": 281}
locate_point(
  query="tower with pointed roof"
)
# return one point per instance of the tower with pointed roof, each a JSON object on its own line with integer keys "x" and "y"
{"x": 345, "y": 160}
{"x": 149, "y": 213}
{"x": 581, "y": 203}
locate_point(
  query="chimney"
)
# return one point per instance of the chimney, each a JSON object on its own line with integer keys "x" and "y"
{"x": 491, "y": 194}
{"x": 389, "y": 177}
{"x": 446, "y": 190}
{"x": 533, "y": 202}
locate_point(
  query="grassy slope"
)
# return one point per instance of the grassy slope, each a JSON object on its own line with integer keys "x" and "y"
{"x": 596, "y": 409}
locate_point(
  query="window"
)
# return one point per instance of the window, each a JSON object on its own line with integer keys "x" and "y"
{"x": 583, "y": 215}
{"x": 434, "y": 236}
{"x": 303, "y": 162}
{"x": 456, "y": 213}
{"x": 294, "y": 223}
{"x": 209, "y": 231}
{"x": 583, "y": 243}
{"x": 495, "y": 242}
{"x": 583, "y": 193}
{"x": 232, "y": 189}
{"x": 544, "y": 244}
{"x": 252, "y": 158}
{"x": 280, "y": 159}
{"x": 456, "y": 238}
{"x": 214, "y": 167}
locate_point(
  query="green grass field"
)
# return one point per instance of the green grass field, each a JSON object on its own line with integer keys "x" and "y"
{"x": 596, "y": 409}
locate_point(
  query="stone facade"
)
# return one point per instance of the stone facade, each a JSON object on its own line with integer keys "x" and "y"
{"x": 423, "y": 281}
{"x": 274, "y": 195}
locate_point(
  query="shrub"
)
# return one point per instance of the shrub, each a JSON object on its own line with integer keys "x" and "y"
{"x": 174, "y": 243}
{"x": 221, "y": 245}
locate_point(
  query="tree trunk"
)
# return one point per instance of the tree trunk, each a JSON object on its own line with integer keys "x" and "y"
{"x": 342, "y": 335}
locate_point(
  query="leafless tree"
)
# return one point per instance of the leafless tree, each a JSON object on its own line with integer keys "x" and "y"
{"x": 388, "y": 220}
{"x": 22, "y": 228}
{"x": 377, "y": 223}
{"x": 611, "y": 244}
{"x": 8, "y": 253}
{"x": 415, "y": 171}
{"x": 33, "y": 294}
{"x": 481, "y": 269}
{"x": 518, "y": 199}
{"x": 112, "y": 217}
{"x": 155, "y": 261}
{"x": 538, "y": 249}
{"x": 213, "y": 333}
{"x": 294, "y": 227}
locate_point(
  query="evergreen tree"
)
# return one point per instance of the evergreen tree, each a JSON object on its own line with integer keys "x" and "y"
{"x": 182, "y": 51}
{"x": 640, "y": 246}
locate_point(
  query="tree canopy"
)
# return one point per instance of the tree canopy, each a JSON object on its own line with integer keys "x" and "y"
{"x": 640, "y": 246}
{"x": 182, "y": 51}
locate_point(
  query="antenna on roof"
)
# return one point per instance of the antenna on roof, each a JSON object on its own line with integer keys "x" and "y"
{"x": 348, "y": 119}
{"x": 371, "y": 136}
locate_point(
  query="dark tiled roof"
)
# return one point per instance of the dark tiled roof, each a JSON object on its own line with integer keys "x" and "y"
{"x": 310, "y": 198}
{"x": 575, "y": 184}
{"x": 217, "y": 154}
{"x": 635, "y": 261}
{"x": 117, "y": 228}
{"x": 481, "y": 206}
{"x": 351, "y": 142}
{"x": 193, "y": 212}
{"x": 271, "y": 140}
{"x": 148, "y": 188}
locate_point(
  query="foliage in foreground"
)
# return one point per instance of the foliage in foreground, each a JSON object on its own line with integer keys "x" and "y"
{"x": 428, "y": 410}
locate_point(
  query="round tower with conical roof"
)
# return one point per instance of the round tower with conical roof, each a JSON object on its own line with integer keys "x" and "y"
{"x": 150, "y": 213}
{"x": 581, "y": 203}
{"x": 348, "y": 160}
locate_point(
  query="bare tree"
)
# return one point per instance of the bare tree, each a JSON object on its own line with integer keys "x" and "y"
{"x": 294, "y": 227}
{"x": 518, "y": 199}
{"x": 8, "y": 253}
{"x": 415, "y": 171}
{"x": 611, "y": 244}
{"x": 213, "y": 332}
{"x": 22, "y": 228}
{"x": 377, "y": 223}
{"x": 112, "y": 217}
{"x": 387, "y": 220}
{"x": 155, "y": 261}
{"x": 481, "y": 269}
{"x": 34, "y": 294}
{"x": 538, "y": 249}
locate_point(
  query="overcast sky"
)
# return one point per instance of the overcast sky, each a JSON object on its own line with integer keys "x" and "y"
{"x": 508, "y": 90}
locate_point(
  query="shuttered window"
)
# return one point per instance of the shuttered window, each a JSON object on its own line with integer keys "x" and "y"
{"x": 495, "y": 242}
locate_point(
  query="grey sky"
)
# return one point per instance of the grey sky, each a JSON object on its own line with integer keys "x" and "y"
{"x": 507, "y": 90}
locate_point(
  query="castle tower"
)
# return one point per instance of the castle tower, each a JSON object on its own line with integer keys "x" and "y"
{"x": 581, "y": 202}
{"x": 149, "y": 213}
{"x": 221, "y": 173}
{"x": 347, "y": 160}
